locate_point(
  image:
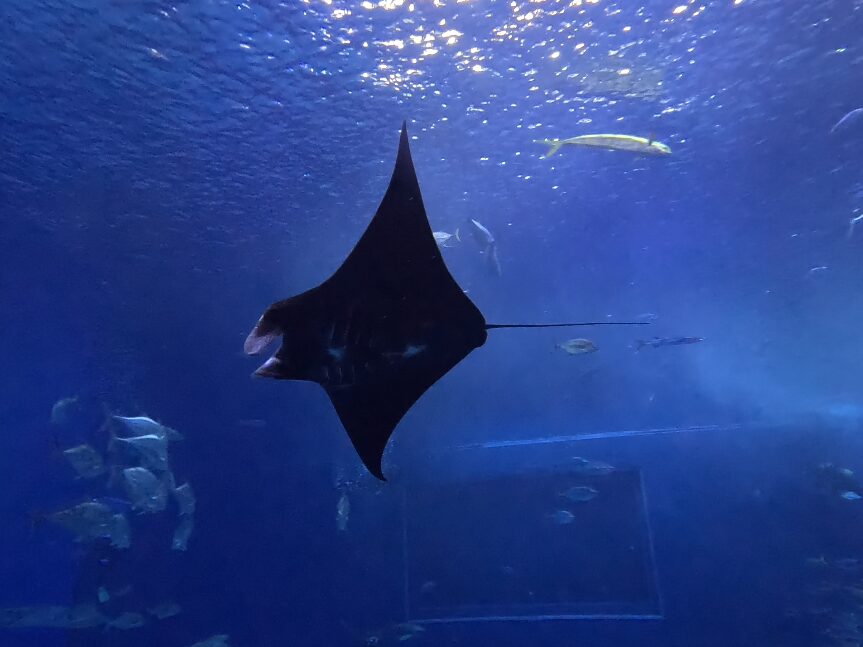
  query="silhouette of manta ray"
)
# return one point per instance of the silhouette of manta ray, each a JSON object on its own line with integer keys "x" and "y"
{"x": 385, "y": 327}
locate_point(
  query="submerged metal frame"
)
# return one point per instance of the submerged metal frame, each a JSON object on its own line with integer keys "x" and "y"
{"x": 656, "y": 597}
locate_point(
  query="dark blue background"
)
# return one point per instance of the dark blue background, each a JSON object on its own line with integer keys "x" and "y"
{"x": 168, "y": 170}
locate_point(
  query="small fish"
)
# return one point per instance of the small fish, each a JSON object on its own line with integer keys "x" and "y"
{"x": 81, "y": 616}
{"x": 86, "y": 461}
{"x": 165, "y": 610}
{"x": 84, "y": 516}
{"x": 656, "y": 342}
{"x": 127, "y": 620}
{"x": 647, "y": 317}
{"x": 817, "y": 562}
{"x": 593, "y": 468}
{"x": 445, "y": 239}
{"x": 407, "y": 630}
{"x": 487, "y": 243}
{"x": 850, "y": 496}
{"x": 343, "y": 511}
{"x": 847, "y": 120}
{"x": 577, "y": 346}
{"x": 219, "y": 640}
{"x": 562, "y": 517}
{"x": 849, "y": 564}
{"x": 580, "y": 493}
{"x": 104, "y": 595}
{"x": 837, "y": 480}
{"x": 639, "y": 145}
{"x": 85, "y": 616}
{"x": 147, "y": 492}
{"x": 144, "y": 426}
{"x": 64, "y": 410}
{"x": 150, "y": 449}
{"x": 182, "y": 534}
{"x": 851, "y": 223}
{"x": 185, "y": 498}
{"x": 396, "y": 633}
{"x": 92, "y": 520}
{"x": 155, "y": 53}
{"x": 428, "y": 587}
{"x": 816, "y": 269}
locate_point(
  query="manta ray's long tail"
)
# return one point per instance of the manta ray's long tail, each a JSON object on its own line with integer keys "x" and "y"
{"x": 569, "y": 325}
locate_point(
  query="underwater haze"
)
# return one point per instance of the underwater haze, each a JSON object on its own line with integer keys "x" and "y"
{"x": 169, "y": 169}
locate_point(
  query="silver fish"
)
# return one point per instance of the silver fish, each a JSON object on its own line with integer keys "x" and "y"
{"x": 852, "y": 223}
{"x": 151, "y": 450}
{"x": 588, "y": 467}
{"x": 343, "y": 512}
{"x": 185, "y": 498}
{"x": 487, "y": 243}
{"x": 848, "y": 564}
{"x": 165, "y": 610}
{"x": 394, "y": 634}
{"x": 63, "y": 411}
{"x": 82, "y": 616}
{"x": 182, "y": 533}
{"x": 445, "y": 239}
{"x": 577, "y": 346}
{"x": 407, "y": 630}
{"x": 562, "y": 517}
{"x": 127, "y": 620}
{"x": 147, "y": 493}
{"x": 86, "y": 461}
{"x": 92, "y": 520}
{"x": 580, "y": 493}
{"x": 143, "y": 426}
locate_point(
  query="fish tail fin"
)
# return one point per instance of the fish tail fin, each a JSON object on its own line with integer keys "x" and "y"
{"x": 639, "y": 344}
{"x": 457, "y": 237}
{"x": 553, "y": 146}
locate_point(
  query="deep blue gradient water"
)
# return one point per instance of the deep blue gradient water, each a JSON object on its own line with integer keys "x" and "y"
{"x": 169, "y": 169}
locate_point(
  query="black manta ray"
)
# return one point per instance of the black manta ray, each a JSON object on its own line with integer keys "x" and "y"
{"x": 384, "y": 328}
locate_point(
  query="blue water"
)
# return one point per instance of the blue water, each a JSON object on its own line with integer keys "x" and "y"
{"x": 169, "y": 169}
